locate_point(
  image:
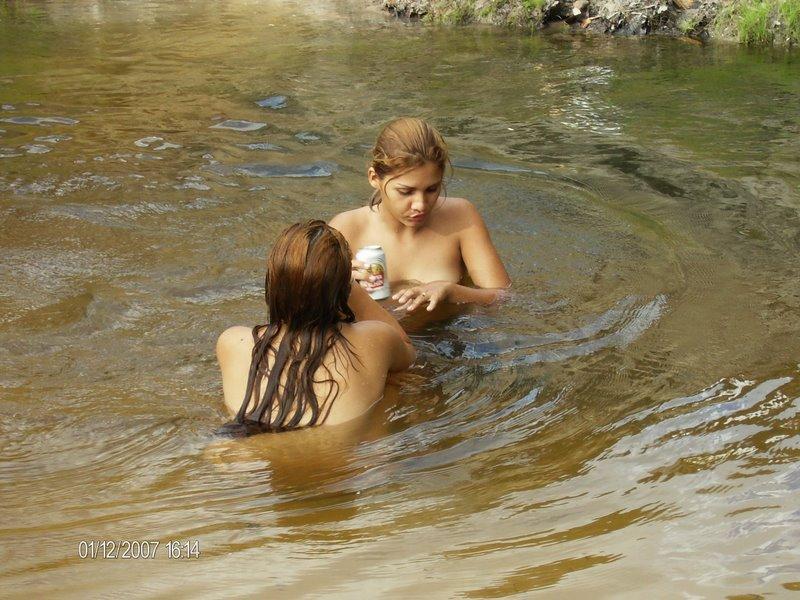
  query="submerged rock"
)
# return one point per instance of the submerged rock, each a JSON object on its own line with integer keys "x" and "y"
{"x": 191, "y": 185}
{"x": 307, "y": 136}
{"x": 40, "y": 120}
{"x": 274, "y": 102}
{"x": 239, "y": 125}
{"x": 146, "y": 141}
{"x": 263, "y": 146}
{"x": 481, "y": 165}
{"x": 53, "y": 139}
{"x": 315, "y": 169}
{"x": 36, "y": 149}
{"x": 318, "y": 169}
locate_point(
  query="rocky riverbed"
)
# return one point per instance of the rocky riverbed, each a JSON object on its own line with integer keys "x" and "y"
{"x": 757, "y": 22}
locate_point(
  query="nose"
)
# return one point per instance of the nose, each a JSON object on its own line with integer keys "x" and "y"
{"x": 418, "y": 203}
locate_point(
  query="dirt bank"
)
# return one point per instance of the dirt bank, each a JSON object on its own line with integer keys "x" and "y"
{"x": 757, "y": 22}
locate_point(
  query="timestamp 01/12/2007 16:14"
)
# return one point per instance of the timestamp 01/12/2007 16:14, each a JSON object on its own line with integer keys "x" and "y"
{"x": 138, "y": 549}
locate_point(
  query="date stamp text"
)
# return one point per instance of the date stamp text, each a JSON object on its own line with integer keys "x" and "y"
{"x": 138, "y": 549}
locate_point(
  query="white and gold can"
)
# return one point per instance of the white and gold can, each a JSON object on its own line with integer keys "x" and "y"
{"x": 374, "y": 259}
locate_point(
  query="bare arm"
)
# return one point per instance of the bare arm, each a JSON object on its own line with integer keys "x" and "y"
{"x": 347, "y": 224}
{"x": 479, "y": 254}
{"x": 482, "y": 261}
{"x": 366, "y": 309}
{"x": 461, "y": 294}
{"x": 233, "y": 353}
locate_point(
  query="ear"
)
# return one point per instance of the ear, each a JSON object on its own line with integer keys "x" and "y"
{"x": 373, "y": 178}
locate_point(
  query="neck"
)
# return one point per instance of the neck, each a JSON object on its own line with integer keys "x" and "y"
{"x": 398, "y": 228}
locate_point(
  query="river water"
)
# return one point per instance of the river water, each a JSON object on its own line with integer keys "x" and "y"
{"x": 625, "y": 427}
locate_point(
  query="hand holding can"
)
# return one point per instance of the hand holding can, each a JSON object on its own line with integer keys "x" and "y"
{"x": 369, "y": 269}
{"x": 360, "y": 274}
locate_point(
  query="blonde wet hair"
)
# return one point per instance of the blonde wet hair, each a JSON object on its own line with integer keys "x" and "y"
{"x": 404, "y": 144}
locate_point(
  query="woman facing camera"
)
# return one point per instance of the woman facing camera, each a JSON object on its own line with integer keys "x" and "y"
{"x": 324, "y": 356}
{"x": 428, "y": 238}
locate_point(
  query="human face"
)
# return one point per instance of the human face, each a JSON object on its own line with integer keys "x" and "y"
{"x": 410, "y": 197}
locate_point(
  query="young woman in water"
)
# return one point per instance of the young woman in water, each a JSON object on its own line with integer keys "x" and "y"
{"x": 428, "y": 238}
{"x": 324, "y": 356}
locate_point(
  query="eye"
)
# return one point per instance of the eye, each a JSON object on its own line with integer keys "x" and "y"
{"x": 405, "y": 192}
{"x": 433, "y": 188}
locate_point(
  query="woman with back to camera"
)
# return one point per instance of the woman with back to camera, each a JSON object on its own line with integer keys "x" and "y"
{"x": 427, "y": 237}
{"x": 324, "y": 356}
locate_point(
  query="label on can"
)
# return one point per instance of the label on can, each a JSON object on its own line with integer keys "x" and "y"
{"x": 375, "y": 260}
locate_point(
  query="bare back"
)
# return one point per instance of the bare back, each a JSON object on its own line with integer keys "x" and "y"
{"x": 359, "y": 379}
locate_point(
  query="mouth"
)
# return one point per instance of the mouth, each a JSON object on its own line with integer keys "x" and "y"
{"x": 418, "y": 218}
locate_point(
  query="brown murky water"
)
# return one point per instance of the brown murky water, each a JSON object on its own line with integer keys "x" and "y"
{"x": 626, "y": 427}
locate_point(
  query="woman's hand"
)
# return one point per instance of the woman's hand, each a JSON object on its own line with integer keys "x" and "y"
{"x": 363, "y": 277}
{"x": 433, "y": 293}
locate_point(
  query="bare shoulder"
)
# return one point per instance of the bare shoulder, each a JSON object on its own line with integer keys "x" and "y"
{"x": 383, "y": 345}
{"x": 234, "y": 339}
{"x": 459, "y": 211}
{"x": 372, "y": 330}
{"x": 350, "y": 221}
{"x": 458, "y": 205}
{"x": 373, "y": 337}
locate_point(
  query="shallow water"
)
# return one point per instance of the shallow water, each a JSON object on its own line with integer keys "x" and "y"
{"x": 626, "y": 426}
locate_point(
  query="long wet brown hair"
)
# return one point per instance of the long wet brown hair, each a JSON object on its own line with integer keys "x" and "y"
{"x": 307, "y": 287}
{"x": 404, "y": 144}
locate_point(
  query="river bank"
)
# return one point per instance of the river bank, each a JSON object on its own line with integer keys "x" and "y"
{"x": 751, "y": 22}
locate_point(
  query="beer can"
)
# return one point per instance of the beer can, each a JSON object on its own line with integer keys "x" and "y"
{"x": 375, "y": 260}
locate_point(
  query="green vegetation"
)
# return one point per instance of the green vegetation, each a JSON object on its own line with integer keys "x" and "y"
{"x": 752, "y": 22}
{"x": 525, "y": 13}
{"x": 534, "y": 5}
{"x": 463, "y": 12}
{"x": 760, "y": 22}
{"x": 453, "y": 12}
{"x": 490, "y": 9}
{"x": 790, "y": 13}
{"x": 689, "y": 24}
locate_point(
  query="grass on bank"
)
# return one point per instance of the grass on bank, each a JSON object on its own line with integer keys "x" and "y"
{"x": 452, "y": 12}
{"x": 511, "y": 12}
{"x": 753, "y": 22}
{"x": 758, "y": 22}
{"x": 688, "y": 25}
{"x": 533, "y": 5}
{"x": 790, "y": 13}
